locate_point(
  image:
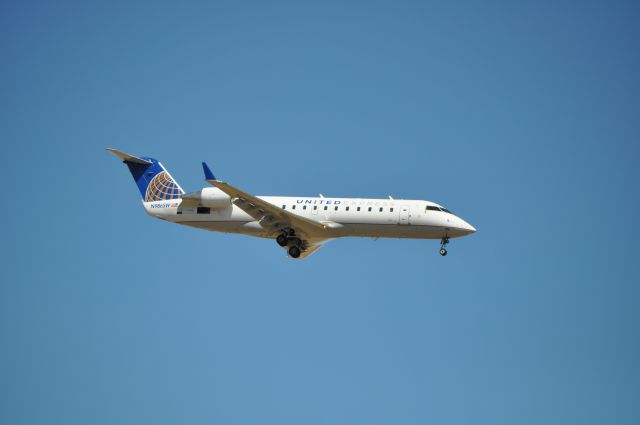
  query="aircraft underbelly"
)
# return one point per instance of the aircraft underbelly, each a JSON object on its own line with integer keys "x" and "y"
{"x": 345, "y": 229}
{"x": 247, "y": 228}
{"x": 391, "y": 231}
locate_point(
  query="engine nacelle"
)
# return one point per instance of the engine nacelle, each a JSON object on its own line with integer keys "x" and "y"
{"x": 211, "y": 197}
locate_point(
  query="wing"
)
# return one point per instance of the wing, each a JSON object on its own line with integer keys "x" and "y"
{"x": 274, "y": 219}
{"x": 271, "y": 217}
{"x": 312, "y": 246}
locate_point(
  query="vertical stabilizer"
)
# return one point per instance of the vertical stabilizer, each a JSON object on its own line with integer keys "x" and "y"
{"x": 153, "y": 180}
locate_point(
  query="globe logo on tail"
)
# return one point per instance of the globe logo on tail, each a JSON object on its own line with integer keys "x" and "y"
{"x": 161, "y": 188}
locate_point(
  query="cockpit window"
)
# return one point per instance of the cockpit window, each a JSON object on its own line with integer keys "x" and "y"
{"x": 434, "y": 208}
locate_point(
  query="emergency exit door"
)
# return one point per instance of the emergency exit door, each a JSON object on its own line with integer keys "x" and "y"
{"x": 405, "y": 215}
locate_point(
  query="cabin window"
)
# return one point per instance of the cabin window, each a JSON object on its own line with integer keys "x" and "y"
{"x": 369, "y": 209}
{"x": 380, "y": 209}
{"x": 390, "y": 209}
{"x": 347, "y": 208}
{"x": 358, "y": 209}
{"x": 284, "y": 207}
{"x": 293, "y": 207}
{"x": 315, "y": 207}
{"x": 325, "y": 207}
{"x": 204, "y": 210}
{"x": 304, "y": 207}
{"x": 336, "y": 208}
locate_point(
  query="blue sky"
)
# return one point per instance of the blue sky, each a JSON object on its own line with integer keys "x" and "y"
{"x": 522, "y": 117}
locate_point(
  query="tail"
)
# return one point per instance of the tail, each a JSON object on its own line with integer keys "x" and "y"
{"x": 154, "y": 182}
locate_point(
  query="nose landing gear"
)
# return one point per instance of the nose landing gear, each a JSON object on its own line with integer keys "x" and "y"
{"x": 443, "y": 243}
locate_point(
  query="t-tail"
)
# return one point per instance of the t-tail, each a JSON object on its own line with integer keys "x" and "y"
{"x": 153, "y": 180}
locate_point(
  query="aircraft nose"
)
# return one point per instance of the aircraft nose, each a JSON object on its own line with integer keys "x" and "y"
{"x": 466, "y": 227}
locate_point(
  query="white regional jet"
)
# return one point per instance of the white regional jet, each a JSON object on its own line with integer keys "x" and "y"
{"x": 300, "y": 225}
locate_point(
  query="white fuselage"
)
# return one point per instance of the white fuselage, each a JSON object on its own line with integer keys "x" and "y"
{"x": 384, "y": 218}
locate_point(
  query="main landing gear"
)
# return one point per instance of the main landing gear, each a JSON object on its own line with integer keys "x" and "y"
{"x": 285, "y": 237}
{"x": 295, "y": 244}
{"x": 282, "y": 239}
{"x": 294, "y": 252}
{"x": 443, "y": 243}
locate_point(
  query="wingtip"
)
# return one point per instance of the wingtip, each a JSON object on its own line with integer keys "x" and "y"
{"x": 208, "y": 175}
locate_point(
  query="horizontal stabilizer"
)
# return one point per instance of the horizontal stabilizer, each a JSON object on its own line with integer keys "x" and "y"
{"x": 128, "y": 158}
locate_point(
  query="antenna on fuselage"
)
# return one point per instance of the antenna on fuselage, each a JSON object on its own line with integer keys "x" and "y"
{"x": 321, "y": 195}
{"x": 390, "y": 197}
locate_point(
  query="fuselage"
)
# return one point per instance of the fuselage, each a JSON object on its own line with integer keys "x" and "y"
{"x": 300, "y": 225}
{"x": 377, "y": 218}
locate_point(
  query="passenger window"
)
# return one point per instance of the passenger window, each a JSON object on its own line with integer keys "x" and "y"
{"x": 336, "y": 209}
{"x": 325, "y": 207}
{"x": 304, "y": 207}
{"x": 347, "y": 208}
{"x": 315, "y": 207}
{"x": 390, "y": 209}
{"x": 369, "y": 209}
{"x": 284, "y": 207}
{"x": 293, "y": 207}
{"x": 380, "y": 209}
{"x": 358, "y": 209}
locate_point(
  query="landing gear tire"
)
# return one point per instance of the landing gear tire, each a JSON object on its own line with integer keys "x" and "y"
{"x": 282, "y": 239}
{"x": 443, "y": 243}
{"x": 294, "y": 252}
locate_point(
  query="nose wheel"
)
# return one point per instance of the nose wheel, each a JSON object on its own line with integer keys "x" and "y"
{"x": 443, "y": 243}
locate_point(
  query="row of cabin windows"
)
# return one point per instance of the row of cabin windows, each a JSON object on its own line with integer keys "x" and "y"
{"x": 315, "y": 207}
{"x": 206, "y": 210}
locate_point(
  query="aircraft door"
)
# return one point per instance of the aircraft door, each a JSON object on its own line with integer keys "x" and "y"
{"x": 405, "y": 215}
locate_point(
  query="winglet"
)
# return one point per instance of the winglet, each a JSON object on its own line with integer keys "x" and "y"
{"x": 208, "y": 175}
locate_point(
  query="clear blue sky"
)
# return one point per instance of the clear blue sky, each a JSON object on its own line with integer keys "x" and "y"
{"x": 522, "y": 117}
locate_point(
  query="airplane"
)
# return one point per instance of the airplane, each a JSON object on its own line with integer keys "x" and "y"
{"x": 300, "y": 225}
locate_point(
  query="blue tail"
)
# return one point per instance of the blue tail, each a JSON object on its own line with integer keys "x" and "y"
{"x": 154, "y": 182}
